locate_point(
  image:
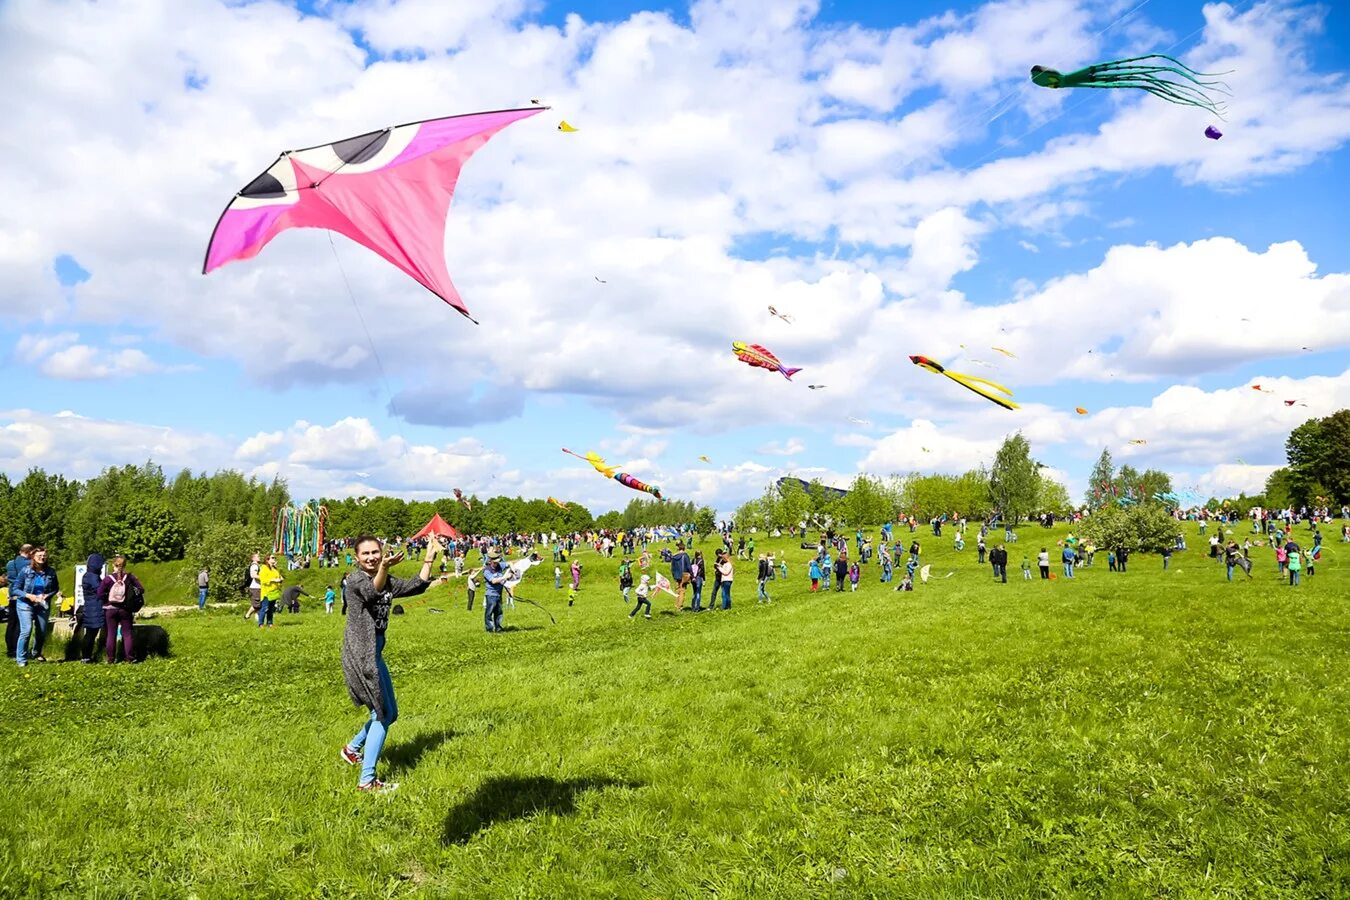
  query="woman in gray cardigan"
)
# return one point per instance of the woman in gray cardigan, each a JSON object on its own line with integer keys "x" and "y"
{"x": 370, "y": 592}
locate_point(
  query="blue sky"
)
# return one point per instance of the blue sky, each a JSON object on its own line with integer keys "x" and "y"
{"x": 887, "y": 175}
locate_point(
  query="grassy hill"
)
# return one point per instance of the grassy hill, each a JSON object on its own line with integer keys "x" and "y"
{"x": 1136, "y": 734}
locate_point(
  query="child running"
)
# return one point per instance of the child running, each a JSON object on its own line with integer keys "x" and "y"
{"x": 642, "y": 591}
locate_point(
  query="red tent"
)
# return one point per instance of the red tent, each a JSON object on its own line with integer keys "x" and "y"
{"x": 438, "y": 527}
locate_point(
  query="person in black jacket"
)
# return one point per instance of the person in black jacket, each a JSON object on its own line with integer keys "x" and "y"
{"x": 998, "y": 558}
{"x": 840, "y": 571}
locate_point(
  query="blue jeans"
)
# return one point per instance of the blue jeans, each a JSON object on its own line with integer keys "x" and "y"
{"x": 492, "y": 612}
{"x": 201, "y": 598}
{"x": 763, "y": 594}
{"x": 30, "y": 615}
{"x": 726, "y": 595}
{"x": 1230, "y": 573}
{"x": 372, "y": 734}
{"x": 1293, "y": 580}
{"x": 697, "y": 601}
{"x": 1068, "y": 570}
{"x": 1168, "y": 559}
{"x": 265, "y": 609}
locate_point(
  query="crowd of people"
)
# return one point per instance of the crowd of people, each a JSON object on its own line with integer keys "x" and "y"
{"x": 105, "y": 605}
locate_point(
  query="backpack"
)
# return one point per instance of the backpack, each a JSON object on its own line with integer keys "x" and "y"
{"x": 117, "y": 594}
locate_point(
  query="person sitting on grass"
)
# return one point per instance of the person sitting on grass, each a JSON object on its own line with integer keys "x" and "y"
{"x": 371, "y": 591}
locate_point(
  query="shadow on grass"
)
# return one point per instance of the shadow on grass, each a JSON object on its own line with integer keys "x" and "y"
{"x": 510, "y": 628}
{"x": 503, "y": 798}
{"x": 404, "y": 756}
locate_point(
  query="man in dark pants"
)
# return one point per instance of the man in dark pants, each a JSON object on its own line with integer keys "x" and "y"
{"x": 12, "y": 570}
{"x": 998, "y": 558}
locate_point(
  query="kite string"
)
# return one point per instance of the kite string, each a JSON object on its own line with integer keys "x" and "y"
{"x": 384, "y": 381}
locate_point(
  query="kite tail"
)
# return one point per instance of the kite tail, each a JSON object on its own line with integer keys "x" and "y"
{"x": 788, "y": 373}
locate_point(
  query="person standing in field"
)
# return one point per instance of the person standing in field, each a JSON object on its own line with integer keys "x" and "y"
{"x": 35, "y": 589}
{"x": 371, "y": 591}
{"x": 998, "y": 557}
{"x": 114, "y": 592}
{"x": 269, "y": 579}
{"x": 726, "y": 573}
{"x": 91, "y": 613}
{"x": 679, "y": 574}
{"x": 255, "y": 586}
{"x": 203, "y": 585}
{"x": 13, "y": 569}
{"x": 697, "y": 573}
{"x": 1043, "y": 560}
{"x": 763, "y": 574}
{"x": 494, "y": 579}
{"x": 329, "y": 597}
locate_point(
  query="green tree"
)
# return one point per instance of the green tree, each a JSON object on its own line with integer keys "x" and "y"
{"x": 705, "y": 522}
{"x": 1151, "y": 483}
{"x": 1014, "y": 480}
{"x": 1103, "y": 475}
{"x": 147, "y": 531}
{"x": 38, "y": 509}
{"x": 226, "y": 548}
{"x": 1319, "y": 463}
{"x": 865, "y": 504}
{"x": 794, "y": 504}
{"x": 1051, "y": 496}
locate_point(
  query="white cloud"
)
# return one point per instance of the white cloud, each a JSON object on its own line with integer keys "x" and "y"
{"x": 62, "y": 356}
{"x": 700, "y": 145}
{"x": 791, "y": 447}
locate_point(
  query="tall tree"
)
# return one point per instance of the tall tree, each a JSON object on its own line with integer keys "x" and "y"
{"x": 1318, "y": 461}
{"x": 1014, "y": 481}
{"x": 1099, "y": 482}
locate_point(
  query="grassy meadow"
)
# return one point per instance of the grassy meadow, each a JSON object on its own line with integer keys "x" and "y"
{"x": 1137, "y": 734}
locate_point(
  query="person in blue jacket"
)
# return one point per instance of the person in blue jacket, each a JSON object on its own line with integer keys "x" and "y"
{"x": 91, "y": 613}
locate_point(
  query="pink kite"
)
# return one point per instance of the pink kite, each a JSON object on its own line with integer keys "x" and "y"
{"x": 387, "y": 190}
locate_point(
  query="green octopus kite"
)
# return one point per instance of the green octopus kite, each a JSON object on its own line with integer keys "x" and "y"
{"x": 1144, "y": 72}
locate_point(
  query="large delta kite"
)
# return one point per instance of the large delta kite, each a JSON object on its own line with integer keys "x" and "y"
{"x": 388, "y": 190}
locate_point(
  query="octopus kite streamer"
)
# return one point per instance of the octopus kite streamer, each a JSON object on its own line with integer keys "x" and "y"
{"x": 981, "y": 386}
{"x": 1162, "y": 76}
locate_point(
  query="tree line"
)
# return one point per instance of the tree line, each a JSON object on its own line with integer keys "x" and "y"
{"x": 133, "y": 510}
{"x": 1013, "y": 486}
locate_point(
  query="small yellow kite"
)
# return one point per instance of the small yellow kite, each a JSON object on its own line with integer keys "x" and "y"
{"x": 563, "y": 126}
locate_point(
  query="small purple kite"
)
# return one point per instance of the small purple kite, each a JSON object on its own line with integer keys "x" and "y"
{"x": 1213, "y": 133}
{"x": 388, "y": 190}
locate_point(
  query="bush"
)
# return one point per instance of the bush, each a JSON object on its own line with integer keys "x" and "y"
{"x": 226, "y": 549}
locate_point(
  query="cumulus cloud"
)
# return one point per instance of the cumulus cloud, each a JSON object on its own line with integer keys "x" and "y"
{"x": 749, "y": 155}
{"x": 62, "y": 356}
{"x": 790, "y": 447}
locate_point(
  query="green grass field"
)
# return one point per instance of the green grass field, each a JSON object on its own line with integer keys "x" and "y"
{"x": 1138, "y": 734}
